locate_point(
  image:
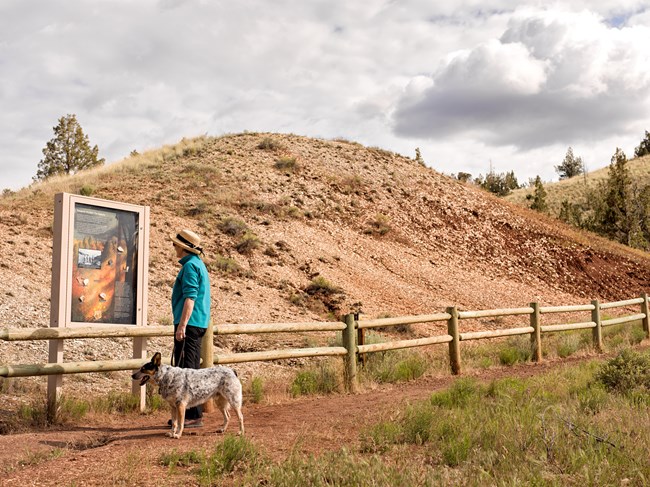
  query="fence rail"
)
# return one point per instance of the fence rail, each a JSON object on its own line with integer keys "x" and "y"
{"x": 352, "y": 334}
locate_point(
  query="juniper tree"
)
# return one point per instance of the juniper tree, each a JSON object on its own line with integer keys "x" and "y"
{"x": 571, "y": 165}
{"x": 539, "y": 197}
{"x": 68, "y": 152}
{"x": 499, "y": 184}
{"x": 644, "y": 146}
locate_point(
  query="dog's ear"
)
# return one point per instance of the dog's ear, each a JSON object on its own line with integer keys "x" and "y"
{"x": 157, "y": 358}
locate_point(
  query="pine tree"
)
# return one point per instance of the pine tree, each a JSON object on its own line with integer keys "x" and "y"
{"x": 68, "y": 152}
{"x": 644, "y": 146}
{"x": 615, "y": 215}
{"x": 539, "y": 197}
{"x": 571, "y": 165}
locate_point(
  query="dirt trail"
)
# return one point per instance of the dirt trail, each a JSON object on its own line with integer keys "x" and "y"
{"x": 126, "y": 450}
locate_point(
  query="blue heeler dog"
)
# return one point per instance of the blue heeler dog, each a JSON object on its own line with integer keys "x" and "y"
{"x": 185, "y": 388}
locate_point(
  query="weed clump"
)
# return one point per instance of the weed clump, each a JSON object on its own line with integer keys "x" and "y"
{"x": 269, "y": 144}
{"x": 287, "y": 164}
{"x": 320, "y": 380}
{"x": 248, "y": 242}
{"x": 380, "y": 225}
{"x": 232, "y": 226}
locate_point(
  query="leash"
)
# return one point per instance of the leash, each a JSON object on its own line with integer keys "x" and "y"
{"x": 181, "y": 358}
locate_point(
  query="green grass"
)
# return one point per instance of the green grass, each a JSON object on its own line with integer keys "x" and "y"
{"x": 321, "y": 379}
{"x": 566, "y": 427}
{"x": 256, "y": 390}
{"x": 72, "y": 409}
{"x": 515, "y": 351}
{"x": 558, "y": 429}
{"x": 394, "y": 366}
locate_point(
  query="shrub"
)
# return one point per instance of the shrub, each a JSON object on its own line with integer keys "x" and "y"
{"x": 248, "y": 242}
{"x": 186, "y": 459}
{"x": 626, "y": 372}
{"x": 225, "y": 265}
{"x": 269, "y": 144}
{"x": 637, "y": 335}
{"x": 287, "y": 164}
{"x": 379, "y": 226}
{"x": 116, "y": 402}
{"x": 320, "y": 285}
{"x": 417, "y": 423}
{"x": 199, "y": 208}
{"x": 232, "y": 226}
{"x": 86, "y": 190}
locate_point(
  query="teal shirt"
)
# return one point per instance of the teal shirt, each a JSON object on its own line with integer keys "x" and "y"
{"x": 192, "y": 282}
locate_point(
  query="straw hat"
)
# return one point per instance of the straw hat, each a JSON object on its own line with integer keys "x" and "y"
{"x": 188, "y": 240}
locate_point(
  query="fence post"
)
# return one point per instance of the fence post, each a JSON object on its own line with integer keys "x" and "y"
{"x": 454, "y": 344}
{"x": 139, "y": 351}
{"x": 54, "y": 382}
{"x": 350, "y": 343}
{"x": 645, "y": 309}
{"x": 207, "y": 359}
{"x": 597, "y": 333}
{"x": 361, "y": 340}
{"x": 536, "y": 335}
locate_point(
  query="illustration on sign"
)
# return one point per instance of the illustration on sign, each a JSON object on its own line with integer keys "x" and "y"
{"x": 104, "y": 271}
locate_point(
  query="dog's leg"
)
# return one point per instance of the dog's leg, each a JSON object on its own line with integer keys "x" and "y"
{"x": 240, "y": 417}
{"x": 174, "y": 422}
{"x": 181, "y": 420}
{"x": 224, "y": 406}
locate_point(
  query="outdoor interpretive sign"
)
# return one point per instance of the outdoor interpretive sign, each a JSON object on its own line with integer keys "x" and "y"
{"x": 100, "y": 259}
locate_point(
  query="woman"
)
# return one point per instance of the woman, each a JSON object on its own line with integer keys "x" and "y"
{"x": 191, "y": 309}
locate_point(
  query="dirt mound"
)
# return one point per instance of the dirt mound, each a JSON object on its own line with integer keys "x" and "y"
{"x": 391, "y": 236}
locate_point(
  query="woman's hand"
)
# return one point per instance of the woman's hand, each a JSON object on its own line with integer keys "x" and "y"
{"x": 180, "y": 333}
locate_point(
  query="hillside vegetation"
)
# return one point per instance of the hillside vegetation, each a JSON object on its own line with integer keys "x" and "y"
{"x": 577, "y": 188}
{"x": 302, "y": 229}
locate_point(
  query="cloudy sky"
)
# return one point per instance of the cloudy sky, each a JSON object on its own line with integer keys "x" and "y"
{"x": 473, "y": 83}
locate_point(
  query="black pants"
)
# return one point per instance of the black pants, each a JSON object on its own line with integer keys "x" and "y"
{"x": 187, "y": 355}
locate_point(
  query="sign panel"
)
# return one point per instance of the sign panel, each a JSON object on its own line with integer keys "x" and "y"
{"x": 104, "y": 265}
{"x": 100, "y": 261}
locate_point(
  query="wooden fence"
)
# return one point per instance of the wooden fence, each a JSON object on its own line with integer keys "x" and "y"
{"x": 352, "y": 329}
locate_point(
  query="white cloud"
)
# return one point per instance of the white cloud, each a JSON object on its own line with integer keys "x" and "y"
{"x": 552, "y": 79}
{"x": 465, "y": 81}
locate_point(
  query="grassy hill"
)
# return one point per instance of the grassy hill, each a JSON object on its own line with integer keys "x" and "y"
{"x": 576, "y": 188}
{"x": 302, "y": 229}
